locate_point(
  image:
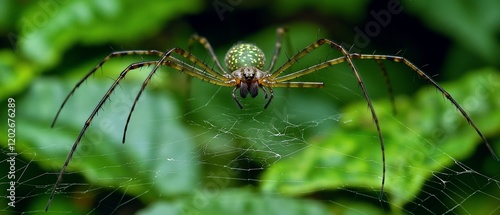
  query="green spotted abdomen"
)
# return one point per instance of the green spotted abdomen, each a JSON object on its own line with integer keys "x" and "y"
{"x": 244, "y": 55}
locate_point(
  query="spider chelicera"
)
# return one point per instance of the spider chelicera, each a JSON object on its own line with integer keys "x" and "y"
{"x": 246, "y": 72}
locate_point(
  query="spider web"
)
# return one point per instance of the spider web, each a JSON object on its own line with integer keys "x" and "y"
{"x": 231, "y": 149}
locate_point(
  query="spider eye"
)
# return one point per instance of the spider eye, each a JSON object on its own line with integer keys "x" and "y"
{"x": 248, "y": 73}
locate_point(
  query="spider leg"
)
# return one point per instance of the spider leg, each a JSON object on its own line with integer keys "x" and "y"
{"x": 87, "y": 124}
{"x": 387, "y": 83}
{"x": 347, "y": 57}
{"x": 195, "y": 72}
{"x": 265, "y": 92}
{"x": 308, "y": 70}
{"x": 178, "y": 65}
{"x": 197, "y": 62}
{"x": 203, "y": 41}
{"x": 299, "y": 84}
{"x": 236, "y": 98}
{"x": 271, "y": 96}
{"x": 429, "y": 79}
{"x": 337, "y": 61}
{"x": 288, "y": 84}
{"x": 183, "y": 67}
{"x": 111, "y": 55}
{"x": 279, "y": 35}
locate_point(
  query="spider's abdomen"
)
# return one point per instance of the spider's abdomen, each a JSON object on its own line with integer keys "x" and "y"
{"x": 244, "y": 55}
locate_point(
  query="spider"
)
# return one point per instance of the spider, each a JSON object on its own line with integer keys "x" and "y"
{"x": 246, "y": 72}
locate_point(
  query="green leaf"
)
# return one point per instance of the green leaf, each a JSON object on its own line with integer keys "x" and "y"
{"x": 427, "y": 135}
{"x": 50, "y": 27}
{"x": 16, "y": 74}
{"x": 237, "y": 201}
{"x": 473, "y": 24}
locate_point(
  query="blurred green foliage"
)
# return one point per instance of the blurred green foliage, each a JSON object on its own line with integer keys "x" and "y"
{"x": 189, "y": 149}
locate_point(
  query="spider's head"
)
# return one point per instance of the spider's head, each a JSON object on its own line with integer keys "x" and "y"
{"x": 248, "y": 79}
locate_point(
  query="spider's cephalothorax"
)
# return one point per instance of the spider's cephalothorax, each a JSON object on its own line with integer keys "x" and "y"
{"x": 248, "y": 80}
{"x": 246, "y": 62}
